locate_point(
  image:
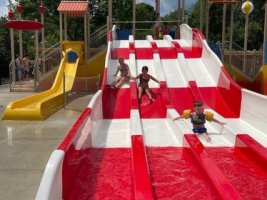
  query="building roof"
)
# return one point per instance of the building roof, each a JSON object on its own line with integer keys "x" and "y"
{"x": 73, "y": 8}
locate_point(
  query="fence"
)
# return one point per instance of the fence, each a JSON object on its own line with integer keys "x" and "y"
{"x": 77, "y": 96}
{"x": 47, "y": 80}
{"x": 144, "y": 28}
{"x": 10, "y": 73}
{"x": 49, "y": 59}
{"x": 98, "y": 39}
{"x": 249, "y": 62}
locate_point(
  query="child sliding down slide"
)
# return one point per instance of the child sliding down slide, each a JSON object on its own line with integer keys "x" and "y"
{"x": 198, "y": 119}
{"x": 143, "y": 86}
{"x": 124, "y": 76}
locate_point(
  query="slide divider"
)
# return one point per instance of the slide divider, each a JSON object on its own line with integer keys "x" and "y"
{"x": 254, "y": 150}
{"x": 223, "y": 187}
{"x": 194, "y": 89}
{"x": 165, "y": 94}
{"x": 141, "y": 177}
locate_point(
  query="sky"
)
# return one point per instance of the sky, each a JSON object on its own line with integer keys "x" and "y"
{"x": 3, "y": 7}
{"x": 166, "y": 6}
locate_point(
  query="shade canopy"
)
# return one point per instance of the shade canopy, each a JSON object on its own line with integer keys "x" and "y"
{"x": 73, "y": 8}
{"x": 24, "y": 25}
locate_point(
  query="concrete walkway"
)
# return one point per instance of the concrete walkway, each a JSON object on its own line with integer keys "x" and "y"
{"x": 25, "y": 146}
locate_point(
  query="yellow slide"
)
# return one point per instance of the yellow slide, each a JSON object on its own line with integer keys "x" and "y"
{"x": 42, "y": 105}
{"x": 258, "y": 84}
{"x": 95, "y": 66}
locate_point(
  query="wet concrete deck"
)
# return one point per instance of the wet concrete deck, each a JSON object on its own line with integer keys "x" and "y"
{"x": 25, "y": 146}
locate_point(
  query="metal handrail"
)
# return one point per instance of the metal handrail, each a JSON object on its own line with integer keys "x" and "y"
{"x": 99, "y": 42}
{"x": 99, "y": 39}
{"x": 49, "y": 55}
{"x": 95, "y": 40}
{"x": 235, "y": 46}
{"x": 36, "y": 76}
{"x": 99, "y": 30}
{"x": 99, "y": 35}
{"x": 141, "y": 22}
{"x": 10, "y": 72}
{"x": 53, "y": 52}
{"x": 52, "y": 47}
{"x": 82, "y": 90}
{"x": 250, "y": 65}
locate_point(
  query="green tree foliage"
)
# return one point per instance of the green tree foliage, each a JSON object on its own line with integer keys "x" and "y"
{"x": 172, "y": 16}
{"x": 145, "y": 12}
{"x": 100, "y": 17}
{"x": 75, "y": 29}
{"x": 30, "y": 11}
{"x": 4, "y": 48}
{"x": 194, "y": 15}
{"x": 215, "y": 23}
{"x": 121, "y": 10}
{"x": 256, "y": 23}
{"x": 256, "y": 26}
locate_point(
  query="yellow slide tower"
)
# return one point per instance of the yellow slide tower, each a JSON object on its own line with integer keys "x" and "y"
{"x": 40, "y": 106}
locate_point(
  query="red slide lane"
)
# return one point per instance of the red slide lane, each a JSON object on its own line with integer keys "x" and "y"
{"x": 215, "y": 101}
{"x": 116, "y": 103}
{"x": 184, "y": 98}
{"x": 174, "y": 174}
{"x": 214, "y": 98}
{"x": 181, "y": 99}
{"x": 196, "y": 93}
{"x": 157, "y": 109}
{"x": 86, "y": 172}
{"x": 225, "y": 98}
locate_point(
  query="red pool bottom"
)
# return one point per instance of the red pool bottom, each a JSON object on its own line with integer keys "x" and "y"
{"x": 176, "y": 175}
{"x": 249, "y": 180}
{"x": 106, "y": 173}
{"x": 102, "y": 174}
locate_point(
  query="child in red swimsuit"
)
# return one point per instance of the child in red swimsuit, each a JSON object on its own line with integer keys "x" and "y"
{"x": 144, "y": 78}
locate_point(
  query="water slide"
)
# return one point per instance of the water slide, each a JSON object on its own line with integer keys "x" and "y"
{"x": 118, "y": 149}
{"x": 42, "y": 105}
